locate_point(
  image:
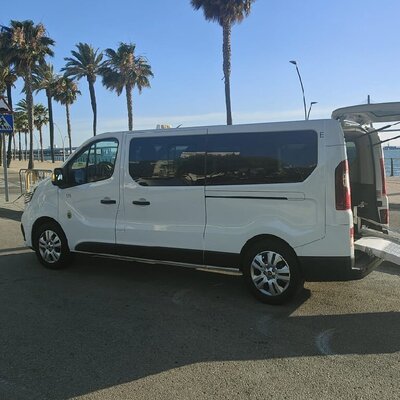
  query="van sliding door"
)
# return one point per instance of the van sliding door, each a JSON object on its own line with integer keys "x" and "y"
{"x": 163, "y": 216}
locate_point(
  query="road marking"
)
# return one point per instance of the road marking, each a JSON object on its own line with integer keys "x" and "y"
{"x": 323, "y": 340}
{"x": 16, "y": 250}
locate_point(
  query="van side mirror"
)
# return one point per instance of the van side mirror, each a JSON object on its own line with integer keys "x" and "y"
{"x": 58, "y": 177}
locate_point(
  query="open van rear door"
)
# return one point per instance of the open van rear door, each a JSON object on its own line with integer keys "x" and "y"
{"x": 384, "y": 246}
{"x": 369, "y": 113}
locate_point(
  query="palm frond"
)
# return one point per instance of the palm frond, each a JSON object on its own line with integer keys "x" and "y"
{"x": 85, "y": 62}
{"x": 223, "y": 11}
{"x": 123, "y": 68}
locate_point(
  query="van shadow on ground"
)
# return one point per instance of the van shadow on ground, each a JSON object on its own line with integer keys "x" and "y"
{"x": 102, "y": 323}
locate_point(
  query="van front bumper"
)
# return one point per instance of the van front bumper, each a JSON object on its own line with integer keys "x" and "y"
{"x": 328, "y": 269}
{"x": 23, "y": 232}
{"x": 26, "y": 228}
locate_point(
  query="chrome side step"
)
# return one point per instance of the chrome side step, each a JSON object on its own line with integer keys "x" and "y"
{"x": 162, "y": 262}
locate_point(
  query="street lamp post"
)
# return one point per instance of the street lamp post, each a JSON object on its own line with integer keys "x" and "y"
{"x": 302, "y": 88}
{"x": 37, "y": 146}
{"x": 65, "y": 139}
{"x": 62, "y": 140}
{"x": 309, "y": 110}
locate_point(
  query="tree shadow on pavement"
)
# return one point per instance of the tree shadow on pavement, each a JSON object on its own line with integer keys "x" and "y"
{"x": 102, "y": 323}
{"x": 6, "y": 213}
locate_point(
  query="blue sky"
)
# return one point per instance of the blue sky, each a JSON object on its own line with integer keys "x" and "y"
{"x": 345, "y": 51}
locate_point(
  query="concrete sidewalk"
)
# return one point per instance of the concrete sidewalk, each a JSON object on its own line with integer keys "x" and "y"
{"x": 393, "y": 189}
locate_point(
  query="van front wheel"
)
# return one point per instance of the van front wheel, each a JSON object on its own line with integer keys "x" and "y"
{"x": 51, "y": 246}
{"x": 271, "y": 271}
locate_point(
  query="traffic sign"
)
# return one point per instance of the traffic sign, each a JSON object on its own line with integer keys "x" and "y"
{"x": 6, "y": 126}
{"x": 6, "y": 123}
{"x": 4, "y": 106}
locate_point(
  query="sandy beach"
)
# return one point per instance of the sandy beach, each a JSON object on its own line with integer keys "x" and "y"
{"x": 16, "y": 165}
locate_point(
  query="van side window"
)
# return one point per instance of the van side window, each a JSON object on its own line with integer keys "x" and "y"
{"x": 260, "y": 158}
{"x": 94, "y": 163}
{"x": 167, "y": 161}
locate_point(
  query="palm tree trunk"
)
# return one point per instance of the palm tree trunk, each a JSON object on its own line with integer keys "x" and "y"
{"x": 29, "y": 102}
{"x": 51, "y": 123}
{"x": 41, "y": 145}
{"x": 68, "y": 127}
{"x": 129, "y": 104}
{"x": 19, "y": 147}
{"x": 26, "y": 146}
{"x": 14, "y": 148}
{"x": 94, "y": 105}
{"x": 9, "y": 99}
{"x": 226, "y": 51}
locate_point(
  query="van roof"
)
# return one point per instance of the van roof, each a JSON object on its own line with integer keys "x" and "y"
{"x": 270, "y": 126}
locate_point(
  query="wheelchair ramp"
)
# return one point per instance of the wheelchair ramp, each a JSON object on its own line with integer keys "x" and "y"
{"x": 383, "y": 248}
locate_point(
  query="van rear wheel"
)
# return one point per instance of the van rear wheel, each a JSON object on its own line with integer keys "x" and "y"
{"x": 51, "y": 246}
{"x": 271, "y": 271}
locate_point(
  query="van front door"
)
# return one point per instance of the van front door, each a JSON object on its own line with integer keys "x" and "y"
{"x": 88, "y": 206}
{"x": 163, "y": 213}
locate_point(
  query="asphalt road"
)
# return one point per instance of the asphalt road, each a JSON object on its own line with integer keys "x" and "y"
{"x": 117, "y": 330}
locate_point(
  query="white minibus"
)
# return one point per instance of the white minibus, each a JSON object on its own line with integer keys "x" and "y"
{"x": 283, "y": 202}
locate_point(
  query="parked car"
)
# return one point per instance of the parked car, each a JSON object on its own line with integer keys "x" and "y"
{"x": 271, "y": 199}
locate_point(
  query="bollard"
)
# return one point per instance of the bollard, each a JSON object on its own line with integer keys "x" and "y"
{"x": 391, "y": 167}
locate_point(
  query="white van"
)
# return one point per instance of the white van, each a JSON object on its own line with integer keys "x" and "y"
{"x": 271, "y": 199}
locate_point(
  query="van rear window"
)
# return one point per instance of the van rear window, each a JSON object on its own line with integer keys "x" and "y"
{"x": 260, "y": 158}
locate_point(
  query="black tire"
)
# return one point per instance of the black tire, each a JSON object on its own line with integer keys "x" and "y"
{"x": 279, "y": 279}
{"x": 51, "y": 238}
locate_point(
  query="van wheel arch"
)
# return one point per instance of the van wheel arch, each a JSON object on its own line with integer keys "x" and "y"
{"x": 262, "y": 238}
{"x": 41, "y": 221}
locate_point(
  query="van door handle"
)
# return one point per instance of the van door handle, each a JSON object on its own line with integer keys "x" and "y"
{"x": 141, "y": 202}
{"x": 108, "y": 201}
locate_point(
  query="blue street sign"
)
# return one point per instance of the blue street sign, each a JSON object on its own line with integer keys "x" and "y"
{"x": 6, "y": 123}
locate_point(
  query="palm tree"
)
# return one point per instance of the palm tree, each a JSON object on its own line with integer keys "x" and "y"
{"x": 44, "y": 78}
{"x": 7, "y": 80}
{"x": 22, "y": 108}
{"x": 123, "y": 70}
{"x": 20, "y": 125}
{"x": 25, "y": 44}
{"x": 66, "y": 92}
{"x": 226, "y": 13}
{"x": 86, "y": 62}
{"x": 41, "y": 118}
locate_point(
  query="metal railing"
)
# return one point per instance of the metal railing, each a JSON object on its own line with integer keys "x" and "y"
{"x": 28, "y": 178}
{"x": 392, "y": 166}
